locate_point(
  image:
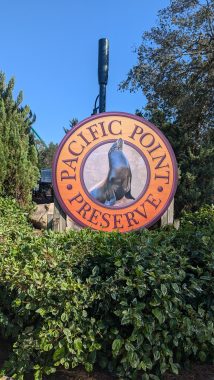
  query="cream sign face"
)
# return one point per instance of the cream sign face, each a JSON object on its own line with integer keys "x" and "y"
{"x": 115, "y": 171}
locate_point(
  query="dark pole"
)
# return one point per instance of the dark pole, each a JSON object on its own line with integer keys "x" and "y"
{"x": 103, "y": 61}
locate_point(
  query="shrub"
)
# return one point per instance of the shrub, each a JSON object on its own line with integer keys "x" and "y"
{"x": 137, "y": 304}
{"x": 18, "y": 156}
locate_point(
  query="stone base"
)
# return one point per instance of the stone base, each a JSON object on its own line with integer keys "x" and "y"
{"x": 42, "y": 216}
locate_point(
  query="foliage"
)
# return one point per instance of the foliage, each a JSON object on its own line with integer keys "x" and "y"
{"x": 72, "y": 124}
{"x": 175, "y": 71}
{"x": 136, "y": 304}
{"x": 46, "y": 154}
{"x": 196, "y": 169}
{"x": 18, "y": 171}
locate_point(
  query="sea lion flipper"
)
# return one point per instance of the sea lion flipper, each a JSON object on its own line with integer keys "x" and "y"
{"x": 111, "y": 200}
{"x": 128, "y": 195}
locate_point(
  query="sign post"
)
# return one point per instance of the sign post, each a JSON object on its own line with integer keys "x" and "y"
{"x": 59, "y": 217}
{"x": 103, "y": 62}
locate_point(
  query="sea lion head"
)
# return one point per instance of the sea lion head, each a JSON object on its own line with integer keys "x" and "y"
{"x": 118, "y": 145}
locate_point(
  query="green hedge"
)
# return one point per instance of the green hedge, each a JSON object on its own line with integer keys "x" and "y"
{"x": 137, "y": 304}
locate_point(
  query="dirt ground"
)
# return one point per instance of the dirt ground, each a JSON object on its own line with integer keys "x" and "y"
{"x": 80, "y": 374}
{"x": 197, "y": 371}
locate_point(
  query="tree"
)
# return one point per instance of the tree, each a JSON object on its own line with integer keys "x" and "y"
{"x": 72, "y": 124}
{"x": 18, "y": 169}
{"x": 175, "y": 70}
{"x": 46, "y": 154}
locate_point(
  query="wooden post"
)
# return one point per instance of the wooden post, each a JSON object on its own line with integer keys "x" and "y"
{"x": 59, "y": 217}
{"x": 168, "y": 216}
{"x": 49, "y": 221}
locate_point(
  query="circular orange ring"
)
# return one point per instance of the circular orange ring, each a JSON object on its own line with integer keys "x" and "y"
{"x": 92, "y": 132}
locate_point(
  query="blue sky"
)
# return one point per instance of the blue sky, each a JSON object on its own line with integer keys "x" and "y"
{"x": 51, "y": 48}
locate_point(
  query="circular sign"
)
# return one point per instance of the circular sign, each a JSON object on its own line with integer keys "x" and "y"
{"x": 115, "y": 172}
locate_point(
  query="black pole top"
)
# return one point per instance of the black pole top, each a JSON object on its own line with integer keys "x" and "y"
{"x": 103, "y": 61}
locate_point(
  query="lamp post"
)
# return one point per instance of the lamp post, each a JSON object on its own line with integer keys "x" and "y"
{"x": 103, "y": 65}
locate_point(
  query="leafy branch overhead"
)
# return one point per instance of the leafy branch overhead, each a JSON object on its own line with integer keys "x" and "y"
{"x": 175, "y": 61}
{"x": 175, "y": 70}
{"x": 72, "y": 124}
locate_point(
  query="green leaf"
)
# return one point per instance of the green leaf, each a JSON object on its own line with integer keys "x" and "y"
{"x": 95, "y": 270}
{"x": 145, "y": 377}
{"x": 38, "y": 375}
{"x": 78, "y": 344}
{"x": 48, "y": 347}
{"x": 156, "y": 355}
{"x": 158, "y": 314}
{"x": 163, "y": 289}
{"x": 41, "y": 311}
{"x": 59, "y": 353}
{"x": 174, "y": 368}
{"x": 88, "y": 367}
{"x": 202, "y": 356}
{"x": 92, "y": 356}
{"x": 84, "y": 313}
{"x": 175, "y": 288}
{"x": 133, "y": 359}
{"x": 64, "y": 317}
{"x": 116, "y": 346}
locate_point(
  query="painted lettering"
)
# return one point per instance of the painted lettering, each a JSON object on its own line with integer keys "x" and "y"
{"x": 65, "y": 175}
{"x": 163, "y": 177}
{"x": 72, "y": 151}
{"x": 104, "y": 218}
{"x": 93, "y": 132}
{"x": 117, "y": 221}
{"x": 152, "y": 201}
{"x": 137, "y": 131}
{"x": 70, "y": 163}
{"x": 94, "y": 215}
{"x": 161, "y": 159}
{"x": 78, "y": 198}
{"x": 130, "y": 216}
{"x": 148, "y": 144}
{"x": 111, "y": 125}
{"x": 84, "y": 209}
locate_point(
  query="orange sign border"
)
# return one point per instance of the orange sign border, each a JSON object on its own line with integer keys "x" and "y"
{"x": 129, "y": 116}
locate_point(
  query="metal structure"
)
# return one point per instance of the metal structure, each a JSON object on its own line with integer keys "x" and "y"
{"x": 37, "y": 135}
{"x": 43, "y": 192}
{"x": 103, "y": 66}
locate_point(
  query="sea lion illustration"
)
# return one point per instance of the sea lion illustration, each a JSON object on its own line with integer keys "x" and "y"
{"x": 118, "y": 181}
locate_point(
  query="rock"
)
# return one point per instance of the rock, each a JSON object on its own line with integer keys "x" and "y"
{"x": 42, "y": 215}
{"x": 71, "y": 225}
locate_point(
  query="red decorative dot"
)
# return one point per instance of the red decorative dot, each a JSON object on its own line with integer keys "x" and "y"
{"x": 69, "y": 186}
{"x": 160, "y": 189}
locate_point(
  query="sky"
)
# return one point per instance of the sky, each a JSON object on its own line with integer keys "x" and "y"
{"x": 51, "y": 48}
